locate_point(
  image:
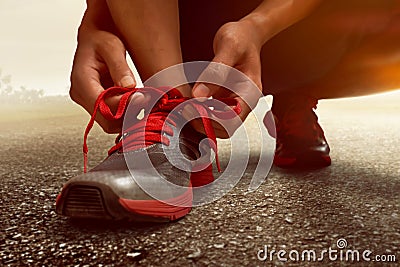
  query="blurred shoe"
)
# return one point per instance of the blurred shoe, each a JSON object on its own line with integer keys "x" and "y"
{"x": 300, "y": 141}
{"x": 111, "y": 191}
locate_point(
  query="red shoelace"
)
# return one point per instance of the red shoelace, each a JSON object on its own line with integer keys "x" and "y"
{"x": 149, "y": 130}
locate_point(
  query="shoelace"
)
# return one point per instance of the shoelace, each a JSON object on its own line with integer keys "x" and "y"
{"x": 149, "y": 130}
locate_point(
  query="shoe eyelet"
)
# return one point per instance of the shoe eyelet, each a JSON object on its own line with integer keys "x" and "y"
{"x": 123, "y": 136}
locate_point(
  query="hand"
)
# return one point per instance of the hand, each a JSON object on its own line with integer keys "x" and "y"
{"x": 100, "y": 63}
{"x": 237, "y": 45}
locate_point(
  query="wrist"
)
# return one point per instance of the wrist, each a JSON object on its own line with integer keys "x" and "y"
{"x": 97, "y": 16}
{"x": 256, "y": 31}
{"x": 259, "y": 26}
{"x": 274, "y": 16}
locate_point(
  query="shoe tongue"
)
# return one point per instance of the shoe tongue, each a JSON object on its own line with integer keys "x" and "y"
{"x": 153, "y": 128}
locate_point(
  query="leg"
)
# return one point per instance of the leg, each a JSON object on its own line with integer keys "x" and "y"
{"x": 200, "y": 20}
{"x": 374, "y": 67}
{"x": 340, "y": 50}
{"x": 150, "y": 30}
{"x": 343, "y": 49}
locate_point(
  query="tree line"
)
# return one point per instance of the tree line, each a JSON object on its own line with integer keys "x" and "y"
{"x": 23, "y": 95}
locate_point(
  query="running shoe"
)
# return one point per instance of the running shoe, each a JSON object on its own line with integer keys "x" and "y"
{"x": 146, "y": 151}
{"x": 300, "y": 141}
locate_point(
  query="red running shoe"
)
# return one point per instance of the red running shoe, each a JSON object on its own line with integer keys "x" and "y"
{"x": 109, "y": 191}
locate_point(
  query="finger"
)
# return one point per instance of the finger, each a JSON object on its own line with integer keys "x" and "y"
{"x": 210, "y": 81}
{"x": 85, "y": 88}
{"x": 138, "y": 103}
{"x": 85, "y": 80}
{"x": 201, "y": 90}
{"x": 219, "y": 130}
{"x": 114, "y": 56}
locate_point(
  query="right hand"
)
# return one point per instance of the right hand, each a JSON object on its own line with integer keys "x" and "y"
{"x": 231, "y": 50}
{"x": 100, "y": 62}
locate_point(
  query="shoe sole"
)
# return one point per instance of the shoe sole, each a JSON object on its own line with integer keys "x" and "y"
{"x": 92, "y": 200}
{"x": 309, "y": 160}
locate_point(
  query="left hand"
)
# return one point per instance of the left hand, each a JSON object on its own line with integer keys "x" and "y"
{"x": 236, "y": 45}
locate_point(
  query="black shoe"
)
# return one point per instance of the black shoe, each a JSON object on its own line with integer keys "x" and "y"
{"x": 300, "y": 142}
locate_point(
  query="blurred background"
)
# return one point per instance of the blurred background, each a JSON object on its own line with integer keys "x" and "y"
{"x": 37, "y": 43}
{"x": 38, "y": 40}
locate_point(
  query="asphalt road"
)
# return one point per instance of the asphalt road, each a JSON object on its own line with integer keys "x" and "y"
{"x": 356, "y": 199}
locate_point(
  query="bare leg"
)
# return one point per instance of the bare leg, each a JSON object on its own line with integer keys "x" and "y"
{"x": 339, "y": 51}
{"x": 374, "y": 67}
{"x": 200, "y": 20}
{"x": 150, "y": 30}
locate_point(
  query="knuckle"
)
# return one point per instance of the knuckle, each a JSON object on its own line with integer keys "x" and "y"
{"x": 110, "y": 44}
{"x": 82, "y": 33}
{"x": 108, "y": 127}
{"x": 118, "y": 67}
{"x": 227, "y": 33}
{"x": 73, "y": 94}
{"x": 104, "y": 125}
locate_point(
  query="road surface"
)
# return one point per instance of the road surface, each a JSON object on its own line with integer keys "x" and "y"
{"x": 355, "y": 200}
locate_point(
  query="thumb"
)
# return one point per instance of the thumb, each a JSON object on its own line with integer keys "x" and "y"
{"x": 119, "y": 70}
{"x": 201, "y": 90}
{"x": 208, "y": 83}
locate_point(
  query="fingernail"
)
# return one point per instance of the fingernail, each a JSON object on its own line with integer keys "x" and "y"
{"x": 201, "y": 91}
{"x": 139, "y": 96}
{"x": 127, "y": 81}
{"x": 188, "y": 113}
